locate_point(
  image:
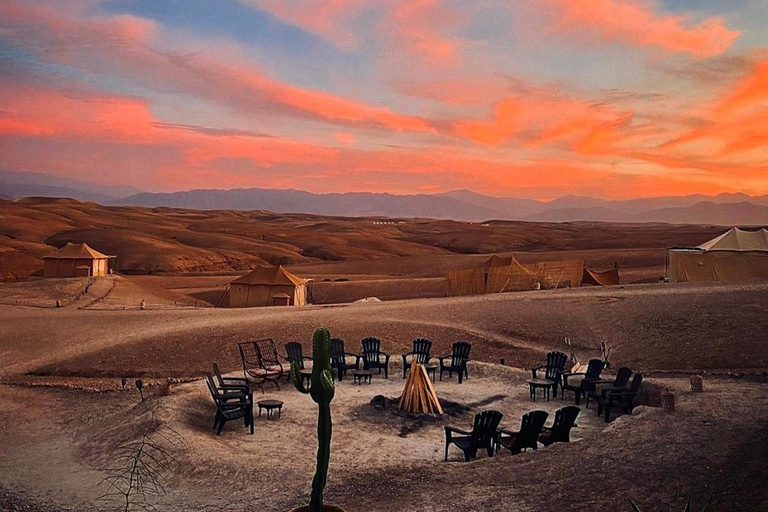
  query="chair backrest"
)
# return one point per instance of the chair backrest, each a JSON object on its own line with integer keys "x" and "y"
{"x": 250, "y": 355}
{"x": 421, "y": 349}
{"x": 337, "y": 350}
{"x": 622, "y": 377}
{"x": 636, "y": 381}
{"x": 212, "y": 388}
{"x": 594, "y": 369}
{"x": 565, "y": 419}
{"x": 555, "y": 364}
{"x": 460, "y": 353}
{"x": 295, "y": 352}
{"x": 484, "y": 429}
{"x": 217, "y": 374}
{"x": 371, "y": 349}
{"x": 530, "y": 428}
{"x": 267, "y": 352}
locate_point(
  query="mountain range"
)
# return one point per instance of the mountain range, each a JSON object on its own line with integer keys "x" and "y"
{"x": 461, "y": 205}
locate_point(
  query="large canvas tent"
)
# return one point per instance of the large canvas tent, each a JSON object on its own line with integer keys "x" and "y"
{"x": 507, "y": 274}
{"x": 735, "y": 256}
{"x": 76, "y": 260}
{"x": 268, "y": 286}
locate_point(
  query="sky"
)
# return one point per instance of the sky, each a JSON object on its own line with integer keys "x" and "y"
{"x": 522, "y": 98}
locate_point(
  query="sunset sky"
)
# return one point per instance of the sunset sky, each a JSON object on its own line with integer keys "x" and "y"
{"x": 524, "y": 98}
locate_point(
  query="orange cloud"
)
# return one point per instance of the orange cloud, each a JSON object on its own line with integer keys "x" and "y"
{"x": 637, "y": 23}
{"x": 751, "y": 90}
{"x": 346, "y": 139}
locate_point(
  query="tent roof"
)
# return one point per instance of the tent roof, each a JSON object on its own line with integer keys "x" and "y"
{"x": 736, "y": 239}
{"x": 498, "y": 261}
{"x": 77, "y": 252}
{"x": 271, "y": 276}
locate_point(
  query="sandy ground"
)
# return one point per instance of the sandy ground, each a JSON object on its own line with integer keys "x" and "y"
{"x": 54, "y": 454}
{"x": 58, "y": 437}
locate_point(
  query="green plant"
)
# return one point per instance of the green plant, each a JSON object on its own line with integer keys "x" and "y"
{"x": 635, "y": 508}
{"x": 321, "y": 389}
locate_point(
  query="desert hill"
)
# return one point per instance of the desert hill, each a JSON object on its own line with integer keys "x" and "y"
{"x": 169, "y": 240}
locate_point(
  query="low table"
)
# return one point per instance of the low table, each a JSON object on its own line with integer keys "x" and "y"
{"x": 270, "y": 406}
{"x": 361, "y": 376}
{"x": 544, "y": 384}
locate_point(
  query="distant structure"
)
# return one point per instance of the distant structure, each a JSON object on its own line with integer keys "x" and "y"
{"x": 500, "y": 274}
{"x": 735, "y": 256}
{"x": 76, "y": 260}
{"x": 268, "y": 286}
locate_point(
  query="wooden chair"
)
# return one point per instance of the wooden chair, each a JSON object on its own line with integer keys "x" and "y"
{"x": 421, "y": 349}
{"x": 230, "y": 383}
{"x": 594, "y": 369}
{"x": 526, "y": 437}
{"x": 261, "y": 362}
{"x": 553, "y": 369}
{"x": 618, "y": 384}
{"x": 230, "y": 406}
{"x": 459, "y": 357}
{"x": 339, "y": 358}
{"x": 560, "y": 431}
{"x": 373, "y": 357}
{"x": 482, "y": 435}
{"x": 623, "y": 399}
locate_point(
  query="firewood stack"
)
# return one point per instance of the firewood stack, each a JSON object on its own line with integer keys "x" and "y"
{"x": 419, "y": 395}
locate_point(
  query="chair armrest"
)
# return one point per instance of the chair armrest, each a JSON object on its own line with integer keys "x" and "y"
{"x": 539, "y": 367}
{"x": 234, "y": 379}
{"x": 458, "y": 431}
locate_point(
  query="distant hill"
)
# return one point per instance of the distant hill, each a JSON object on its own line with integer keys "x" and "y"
{"x": 354, "y": 204}
{"x": 465, "y": 205}
{"x": 460, "y": 205}
{"x": 32, "y": 184}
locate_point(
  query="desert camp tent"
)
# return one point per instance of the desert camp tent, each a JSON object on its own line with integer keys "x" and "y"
{"x": 608, "y": 277}
{"x": 735, "y": 256}
{"x": 268, "y": 286}
{"x": 507, "y": 274}
{"x": 76, "y": 260}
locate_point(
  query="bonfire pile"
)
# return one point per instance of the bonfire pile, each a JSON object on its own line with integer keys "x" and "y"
{"x": 419, "y": 396}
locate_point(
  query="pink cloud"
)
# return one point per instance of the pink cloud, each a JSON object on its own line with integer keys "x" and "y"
{"x": 639, "y": 24}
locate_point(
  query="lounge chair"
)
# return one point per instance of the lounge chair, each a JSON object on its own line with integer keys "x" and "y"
{"x": 526, "y": 437}
{"x": 261, "y": 362}
{"x": 594, "y": 369}
{"x": 623, "y": 399}
{"x": 553, "y": 369}
{"x": 230, "y": 406}
{"x": 593, "y": 389}
{"x": 560, "y": 431}
{"x": 420, "y": 353}
{"x": 459, "y": 357}
{"x": 230, "y": 383}
{"x": 482, "y": 435}
{"x": 339, "y": 358}
{"x": 373, "y": 357}
{"x": 295, "y": 352}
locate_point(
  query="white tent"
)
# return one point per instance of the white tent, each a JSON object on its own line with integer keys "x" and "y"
{"x": 735, "y": 256}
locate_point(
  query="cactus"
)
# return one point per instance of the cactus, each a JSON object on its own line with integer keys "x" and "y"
{"x": 321, "y": 389}
{"x": 635, "y": 508}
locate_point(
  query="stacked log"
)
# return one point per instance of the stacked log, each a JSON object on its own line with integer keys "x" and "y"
{"x": 419, "y": 396}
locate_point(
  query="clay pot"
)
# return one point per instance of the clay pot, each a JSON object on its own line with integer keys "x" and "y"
{"x": 326, "y": 508}
{"x": 697, "y": 383}
{"x": 668, "y": 401}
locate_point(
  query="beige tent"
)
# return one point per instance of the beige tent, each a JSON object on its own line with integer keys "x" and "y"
{"x": 268, "y": 286}
{"x": 76, "y": 260}
{"x": 608, "y": 277}
{"x": 734, "y": 256}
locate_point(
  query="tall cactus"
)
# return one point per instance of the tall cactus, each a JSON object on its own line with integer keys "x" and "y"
{"x": 321, "y": 389}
